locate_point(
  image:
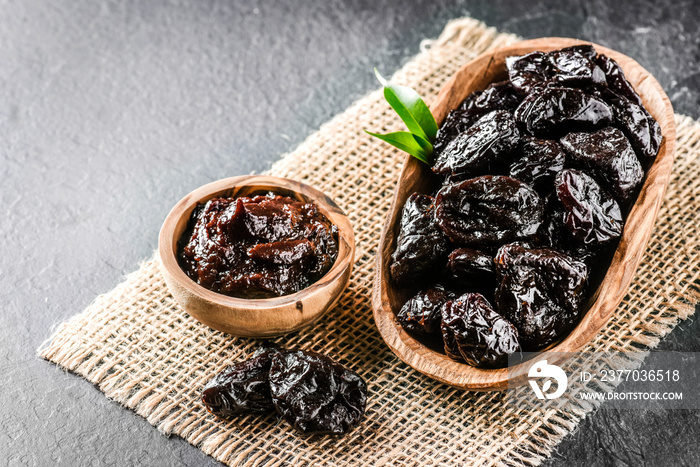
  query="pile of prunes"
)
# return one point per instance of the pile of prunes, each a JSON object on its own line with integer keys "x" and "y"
{"x": 536, "y": 175}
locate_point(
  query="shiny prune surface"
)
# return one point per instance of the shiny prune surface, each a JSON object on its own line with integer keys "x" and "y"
{"x": 497, "y": 96}
{"x": 591, "y": 214}
{"x": 488, "y": 209}
{"x": 421, "y": 245}
{"x": 540, "y": 291}
{"x": 609, "y": 156}
{"x": 472, "y": 331}
{"x": 316, "y": 394}
{"x": 616, "y": 80}
{"x": 242, "y": 387}
{"x": 257, "y": 247}
{"x": 470, "y": 269}
{"x": 541, "y": 160}
{"x": 554, "y": 111}
{"x": 572, "y": 68}
{"x": 456, "y": 122}
{"x": 642, "y": 130}
{"x": 528, "y": 72}
{"x": 420, "y": 315}
{"x": 484, "y": 144}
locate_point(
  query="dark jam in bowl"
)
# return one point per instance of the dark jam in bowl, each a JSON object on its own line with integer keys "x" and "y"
{"x": 257, "y": 247}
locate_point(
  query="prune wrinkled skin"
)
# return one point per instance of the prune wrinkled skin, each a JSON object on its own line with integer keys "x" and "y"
{"x": 491, "y": 138}
{"x": 607, "y": 154}
{"x": 528, "y": 72}
{"x": 488, "y": 209}
{"x": 540, "y": 291}
{"x": 497, "y": 96}
{"x": 554, "y": 111}
{"x": 540, "y": 162}
{"x": 571, "y": 68}
{"x": 420, "y": 315}
{"x": 474, "y": 332}
{"x": 591, "y": 215}
{"x": 638, "y": 125}
{"x": 242, "y": 387}
{"x": 421, "y": 246}
{"x": 456, "y": 122}
{"x": 257, "y": 247}
{"x": 587, "y": 50}
{"x": 471, "y": 269}
{"x": 616, "y": 80}
{"x": 316, "y": 394}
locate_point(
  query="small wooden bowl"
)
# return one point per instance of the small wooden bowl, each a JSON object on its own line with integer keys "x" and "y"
{"x": 476, "y": 75}
{"x": 255, "y": 317}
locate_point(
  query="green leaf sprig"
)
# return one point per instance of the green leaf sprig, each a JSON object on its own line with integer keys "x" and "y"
{"x": 422, "y": 128}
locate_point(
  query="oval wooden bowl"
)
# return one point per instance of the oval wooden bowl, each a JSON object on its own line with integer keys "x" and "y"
{"x": 255, "y": 317}
{"x": 476, "y": 75}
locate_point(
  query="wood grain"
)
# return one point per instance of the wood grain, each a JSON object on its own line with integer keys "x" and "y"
{"x": 255, "y": 317}
{"x": 474, "y": 76}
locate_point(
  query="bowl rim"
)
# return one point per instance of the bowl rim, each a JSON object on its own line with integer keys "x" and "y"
{"x": 167, "y": 241}
{"x": 451, "y": 372}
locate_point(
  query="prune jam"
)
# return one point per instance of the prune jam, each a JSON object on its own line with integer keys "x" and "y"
{"x": 536, "y": 175}
{"x": 257, "y": 247}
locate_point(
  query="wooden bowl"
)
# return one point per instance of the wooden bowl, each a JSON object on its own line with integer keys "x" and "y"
{"x": 476, "y": 75}
{"x": 255, "y": 317}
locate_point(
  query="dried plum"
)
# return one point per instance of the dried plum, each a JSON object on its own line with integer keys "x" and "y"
{"x": 638, "y": 125}
{"x": 316, "y": 394}
{"x": 471, "y": 269}
{"x": 607, "y": 154}
{"x": 540, "y": 162}
{"x": 591, "y": 215}
{"x": 587, "y": 50}
{"x": 491, "y": 138}
{"x": 242, "y": 387}
{"x": 420, "y": 315}
{"x": 553, "y": 111}
{"x": 572, "y": 68}
{"x": 488, "y": 209}
{"x": 456, "y": 122}
{"x": 528, "y": 72}
{"x": 497, "y": 96}
{"x": 540, "y": 291}
{"x": 616, "y": 80}
{"x": 474, "y": 332}
{"x": 421, "y": 246}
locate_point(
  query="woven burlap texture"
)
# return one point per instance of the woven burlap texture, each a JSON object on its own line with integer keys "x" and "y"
{"x": 144, "y": 352}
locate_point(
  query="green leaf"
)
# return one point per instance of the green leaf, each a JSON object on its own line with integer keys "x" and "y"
{"x": 415, "y": 145}
{"x": 411, "y": 108}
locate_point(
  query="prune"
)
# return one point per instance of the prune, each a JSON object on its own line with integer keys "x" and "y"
{"x": 572, "y": 68}
{"x": 591, "y": 215}
{"x": 554, "y": 111}
{"x": 242, "y": 387}
{"x": 316, "y": 394}
{"x": 472, "y": 269}
{"x": 497, "y": 96}
{"x": 587, "y": 50}
{"x": 540, "y": 162}
{"x": 456, "y": 122}
{"x": 616, "y": 80}
{"x": 638, "y": 125}
{"x": 493, "y": 136}
{"x": 488, "y": 209}
{"x": 528, "y": 72}
{"x": 420, "y": 315}
{"x": 607, "y": 154}
{"x": 257, "y": 247}
{"x": 420, "y": 246}
{"x": 474, "y": 332}
{"x": 540, "y": 291}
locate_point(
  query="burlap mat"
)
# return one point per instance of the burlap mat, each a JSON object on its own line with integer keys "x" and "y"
{"x": 144, "y": 352}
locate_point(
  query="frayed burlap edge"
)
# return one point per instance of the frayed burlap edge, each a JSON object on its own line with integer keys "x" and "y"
{"x": 144, "y": 352}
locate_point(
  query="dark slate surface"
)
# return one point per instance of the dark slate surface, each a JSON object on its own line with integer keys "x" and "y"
{"x": 112, "y": 110}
